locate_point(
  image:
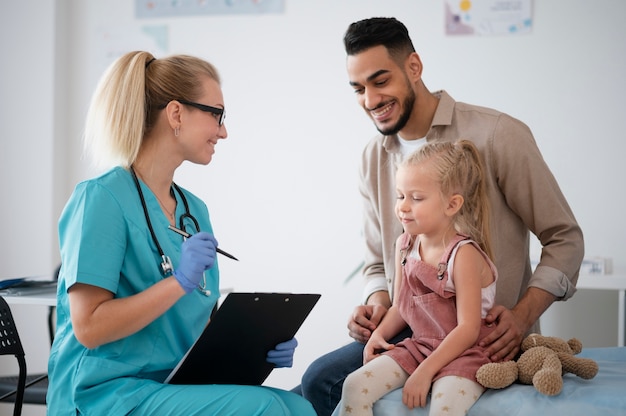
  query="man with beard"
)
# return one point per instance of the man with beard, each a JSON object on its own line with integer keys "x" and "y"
{"x": 386, "y": 74}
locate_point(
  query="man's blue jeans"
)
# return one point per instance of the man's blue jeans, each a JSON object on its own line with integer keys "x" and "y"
{"x": 322, "y": 382}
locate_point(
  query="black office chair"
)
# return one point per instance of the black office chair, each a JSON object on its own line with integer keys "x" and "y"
{"x": 35, "y": 386}
{"x": 10, "y": 344}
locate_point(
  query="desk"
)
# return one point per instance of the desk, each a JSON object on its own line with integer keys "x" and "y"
{"x": 44, "y": 293}
{"x": 609, "y": 282}
{"x": 47, "y": 298}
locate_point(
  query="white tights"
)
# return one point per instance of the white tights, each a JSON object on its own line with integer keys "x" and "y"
{"x": 450, "y": 395}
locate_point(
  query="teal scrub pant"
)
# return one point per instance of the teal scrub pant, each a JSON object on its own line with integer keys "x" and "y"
{"x": 223, "y": 400}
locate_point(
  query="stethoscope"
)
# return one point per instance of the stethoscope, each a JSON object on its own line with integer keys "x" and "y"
{"x": 167, "y": 268}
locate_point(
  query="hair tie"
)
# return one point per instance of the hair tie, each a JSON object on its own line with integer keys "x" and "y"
{"x": 149, "y": 62}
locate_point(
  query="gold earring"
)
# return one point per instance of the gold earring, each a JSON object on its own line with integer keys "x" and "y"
{"x": 176, "y": 131}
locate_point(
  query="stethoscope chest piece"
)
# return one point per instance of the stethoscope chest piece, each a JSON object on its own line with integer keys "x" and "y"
{"x": 166, "y": 266}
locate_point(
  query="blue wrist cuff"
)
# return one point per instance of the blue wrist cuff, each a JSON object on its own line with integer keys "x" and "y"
{"x": 187, "y": 286}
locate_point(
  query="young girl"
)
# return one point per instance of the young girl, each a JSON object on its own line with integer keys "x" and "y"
{"x": 445, "y": 286}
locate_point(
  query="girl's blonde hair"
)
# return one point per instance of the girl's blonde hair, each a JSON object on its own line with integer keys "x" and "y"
{"x": 126, "y": 102}
{"x": 458, "y": 169}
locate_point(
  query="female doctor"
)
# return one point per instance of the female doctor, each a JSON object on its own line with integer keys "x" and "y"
{"x": 134, "y": 295}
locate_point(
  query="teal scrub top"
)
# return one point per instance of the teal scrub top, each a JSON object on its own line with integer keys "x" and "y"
{"x": 105, "y": 242}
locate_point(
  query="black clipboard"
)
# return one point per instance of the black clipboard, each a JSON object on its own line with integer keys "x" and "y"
{"x": 233, "y": 347}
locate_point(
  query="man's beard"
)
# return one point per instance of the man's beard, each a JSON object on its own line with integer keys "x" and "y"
{"x": 409, "y": 102}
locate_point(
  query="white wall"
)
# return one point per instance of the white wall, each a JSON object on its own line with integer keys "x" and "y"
{"x": 27, "y": 91}
{"x": 26, "y": 164}
{"x": 282, "y": 188}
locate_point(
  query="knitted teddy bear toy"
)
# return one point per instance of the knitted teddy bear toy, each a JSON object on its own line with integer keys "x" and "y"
{"x": 542, "y": 363}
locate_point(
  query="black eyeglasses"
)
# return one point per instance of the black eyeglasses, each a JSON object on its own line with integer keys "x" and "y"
{"x": 207, "y": 108}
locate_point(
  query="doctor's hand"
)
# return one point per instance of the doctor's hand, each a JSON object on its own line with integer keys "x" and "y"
{"x": 197, "y": 255}
{"x": 282, "y": 354}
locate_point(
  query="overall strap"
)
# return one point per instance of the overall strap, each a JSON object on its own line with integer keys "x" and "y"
{"x": 442, "y": 267}
{"x": 405, "y": 244}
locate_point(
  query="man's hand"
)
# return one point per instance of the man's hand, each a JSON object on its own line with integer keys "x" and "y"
{"x": 503, "y": 343}
{"x": 364, "y": 321}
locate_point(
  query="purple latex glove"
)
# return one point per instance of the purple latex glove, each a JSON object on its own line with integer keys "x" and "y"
{"x": 197, "y": 255}
{"x": 282, "y": 355}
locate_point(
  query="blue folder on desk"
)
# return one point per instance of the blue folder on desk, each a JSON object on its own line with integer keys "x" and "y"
{"x": 26, "y": 285}
{"x": 234, "y": 345}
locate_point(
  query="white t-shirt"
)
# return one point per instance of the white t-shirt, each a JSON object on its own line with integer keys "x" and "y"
{"x": 409, "y": 146}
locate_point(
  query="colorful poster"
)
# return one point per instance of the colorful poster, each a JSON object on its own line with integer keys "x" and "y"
{"x": 488, "y": 17}
{"x": 172, "y": 8}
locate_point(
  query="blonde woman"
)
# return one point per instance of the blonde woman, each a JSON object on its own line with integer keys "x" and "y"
{"x": 134, "y": 295}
